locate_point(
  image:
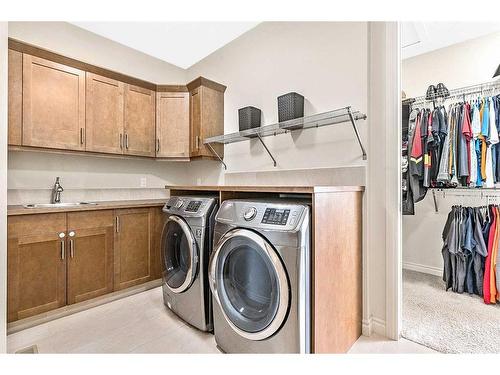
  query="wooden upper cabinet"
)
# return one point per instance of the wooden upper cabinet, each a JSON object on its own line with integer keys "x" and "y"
{"x": 134, "y": 259}
{"x": 172, "y": 124}
{"x": 90, "y": 254}
{"x": 53, "y": 105}
{"x": 206, "y": 115}
{"x": 15, "y": 99}
{"x": 139, "y": 121}
{"x": 104, "y": 114}
{"x": 36, "y": 261}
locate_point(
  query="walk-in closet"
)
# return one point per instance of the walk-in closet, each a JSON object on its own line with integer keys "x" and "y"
{"x": 451, "y": 186}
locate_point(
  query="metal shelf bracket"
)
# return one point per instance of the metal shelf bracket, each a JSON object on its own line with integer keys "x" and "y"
{"x": 269, "y": 152}
{"x": 353, "y": 122}
{"x": 216, "y": 154}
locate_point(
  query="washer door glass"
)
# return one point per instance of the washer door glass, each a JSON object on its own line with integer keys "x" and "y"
{"x": 248, "y": 282}
{"x": 179, "y": 255}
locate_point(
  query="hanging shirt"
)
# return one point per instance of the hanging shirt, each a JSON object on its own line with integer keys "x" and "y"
{"x": 476, "y": 131}
{"x": 487, "y": 266}
{"x": 491, "y": 142}
{"x": 485, "y": 124}
{"x": 467, "y": 136}
{"x": 493, "y": 138}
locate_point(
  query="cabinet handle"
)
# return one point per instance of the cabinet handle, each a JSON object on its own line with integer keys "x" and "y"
{"x": 63, "y": 242}
{"x": 71, "y": 244}
{"x": 197, "y": 142}
{"x": 117, "y": 224}
{"x": 158, "y": 145}
{"x": 126, "y": 141}
{"x": 121, "y": 141}
{"x": 82, "y": 136}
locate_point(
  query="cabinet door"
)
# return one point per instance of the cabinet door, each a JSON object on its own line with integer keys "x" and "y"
{"x": 36, "y": 258}
{"x": 15, "y": 99}
{"x": 172, "y": 124}
{"x": 104, "y": 112}
{"x": 195, "y": 121}
{"x": 90, "y": 255}
{"x": 134, "y": 259}
{"x": 53, "y": 105}
{"x": 212, "y": 119}
{"x": 139, "y": 121}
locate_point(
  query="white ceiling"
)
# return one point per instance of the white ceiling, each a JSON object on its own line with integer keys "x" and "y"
{"x": 179, "y": 43}
{"x": 421, "y": 37}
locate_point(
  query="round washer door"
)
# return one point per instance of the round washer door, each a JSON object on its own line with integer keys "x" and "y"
{"x": 249, "y": 282}
{"x": 180, "y": 255}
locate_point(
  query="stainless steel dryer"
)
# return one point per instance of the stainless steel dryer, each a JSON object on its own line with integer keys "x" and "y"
{"x": 260, "y": 277}
{"x": 186, "y": 245}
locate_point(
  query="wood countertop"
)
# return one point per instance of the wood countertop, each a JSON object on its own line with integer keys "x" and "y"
{"x": 14, "y": 210}
{"x": 269, "y": 189}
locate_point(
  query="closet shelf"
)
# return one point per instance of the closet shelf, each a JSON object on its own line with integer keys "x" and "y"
{"x": 336, "y": 116}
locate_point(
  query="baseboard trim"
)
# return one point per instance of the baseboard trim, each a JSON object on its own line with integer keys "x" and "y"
{"x": 436, "y": 271}
{"x": 32, "y": 321}
{"x": 373, "y": 325}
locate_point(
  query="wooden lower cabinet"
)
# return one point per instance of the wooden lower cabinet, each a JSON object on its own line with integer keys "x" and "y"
{"x": 90, "y": 254}
{"x": 134, "y": 255}
{"x": 36, "y": 265}
{"x": 58, "y": 259}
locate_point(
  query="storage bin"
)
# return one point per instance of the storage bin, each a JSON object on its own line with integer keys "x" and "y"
{"x": 290, "y": 106}
{"x": 249, "y": 117}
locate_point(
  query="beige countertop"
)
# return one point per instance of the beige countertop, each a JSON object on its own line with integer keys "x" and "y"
{"x": 104, "y": 205}
{"x": 268, "y": 189}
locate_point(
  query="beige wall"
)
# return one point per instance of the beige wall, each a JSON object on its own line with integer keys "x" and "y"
{"x": 326, "y": 62}
{"x": 459, "y": 65}
{"x": 3, "y": 186}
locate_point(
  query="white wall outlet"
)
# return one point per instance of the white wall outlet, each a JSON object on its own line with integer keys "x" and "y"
{"x": 143, "y": 182}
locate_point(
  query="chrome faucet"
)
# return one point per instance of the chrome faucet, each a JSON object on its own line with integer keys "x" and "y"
{"x": 56, "y": 192}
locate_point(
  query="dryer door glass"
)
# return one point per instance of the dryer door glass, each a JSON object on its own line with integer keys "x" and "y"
{"x": 179, "y": 255}
{"x": 251, "y": 283}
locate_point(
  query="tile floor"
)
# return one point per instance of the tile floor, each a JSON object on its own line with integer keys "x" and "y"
{"x": 142, "y": 324}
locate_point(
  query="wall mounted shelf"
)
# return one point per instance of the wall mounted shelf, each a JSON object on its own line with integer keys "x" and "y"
{"x": 337, "y": 116}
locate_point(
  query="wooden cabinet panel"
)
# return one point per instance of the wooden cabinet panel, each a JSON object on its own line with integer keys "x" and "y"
{"x": 36, "y": 258}
{"x": 15, "y": 109}
{"x": 90, "y": 254}
{"x": 53, "y": 105}
{"x": 195, "y": 122}
{"x": 134, "y": 258}
{"x": 207, "y": 116}
{"x": 212, "y": 123}
{"x": 159, "y": 223}
{"x": 139, "y": 121}
{"x": 172, "y": 124}
{"x": 336, "y": 261}
{"x": 104, "y": 114}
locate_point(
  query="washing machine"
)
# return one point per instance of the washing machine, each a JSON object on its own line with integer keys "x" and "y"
{"x": 260, "y": 277}
{"x": 186, "y": 246}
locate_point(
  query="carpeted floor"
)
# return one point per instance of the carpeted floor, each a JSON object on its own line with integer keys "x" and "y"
{"x": 445, "y": 321}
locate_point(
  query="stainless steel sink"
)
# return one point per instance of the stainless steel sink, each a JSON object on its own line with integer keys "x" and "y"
{"x": 58, "y": 205}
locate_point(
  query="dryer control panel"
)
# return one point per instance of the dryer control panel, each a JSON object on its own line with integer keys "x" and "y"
{"x": 254, "y": 214}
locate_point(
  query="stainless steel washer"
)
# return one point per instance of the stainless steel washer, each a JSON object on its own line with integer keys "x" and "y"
{"x": 260, "y": 277}
{"x": 186, "y": 246}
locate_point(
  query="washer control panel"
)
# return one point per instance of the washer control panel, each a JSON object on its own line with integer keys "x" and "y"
{"x": 277, "y": 216}
{"x": 190, "y": 206}
{"x": 193, "y": 206}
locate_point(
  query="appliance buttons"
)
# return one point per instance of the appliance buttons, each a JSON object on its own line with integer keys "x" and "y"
{"x": 249, "y": 213}
{"x": 179, "y": 204}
